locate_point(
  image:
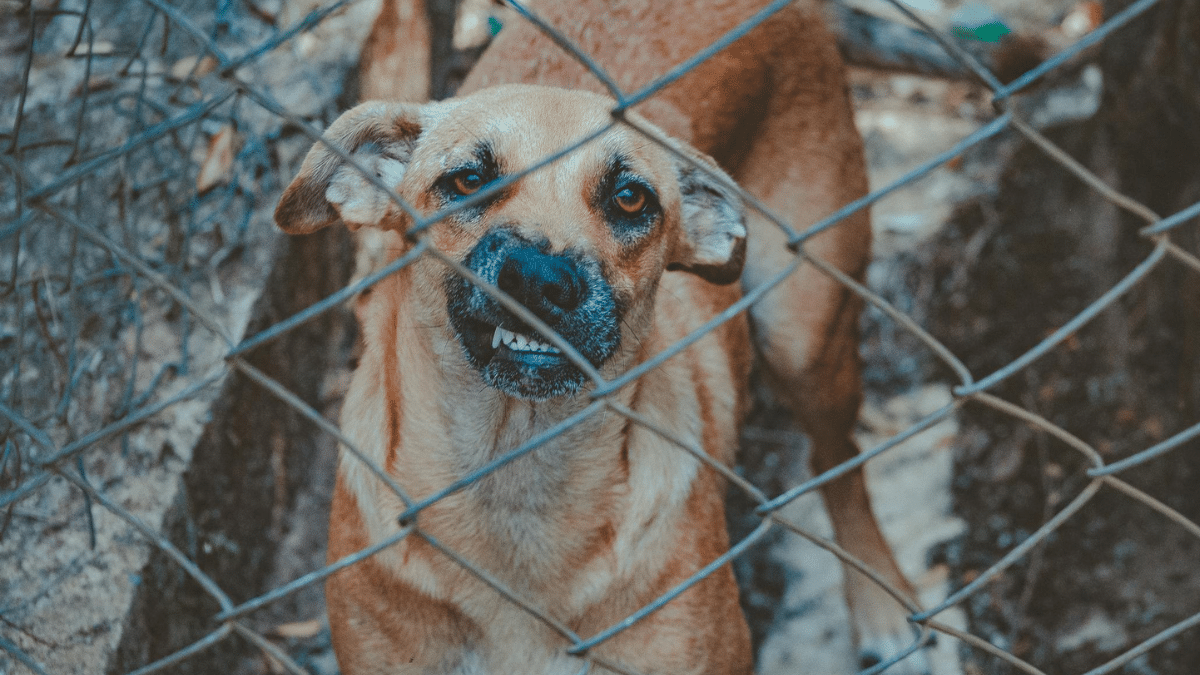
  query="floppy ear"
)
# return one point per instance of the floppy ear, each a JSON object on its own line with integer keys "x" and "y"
{"x": 712, "y": 242}
{"x": 380, "y": 137}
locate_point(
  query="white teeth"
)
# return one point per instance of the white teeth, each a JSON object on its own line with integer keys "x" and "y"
{"x": 520, "y": 343}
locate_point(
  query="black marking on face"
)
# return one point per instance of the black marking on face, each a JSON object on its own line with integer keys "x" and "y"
{"x": 627, "y": 200}
{"x": 566, "y": 290}
{"x": 468, "y": 178}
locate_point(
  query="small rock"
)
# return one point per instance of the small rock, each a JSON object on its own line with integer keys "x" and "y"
{"x": 1098, "y": 630}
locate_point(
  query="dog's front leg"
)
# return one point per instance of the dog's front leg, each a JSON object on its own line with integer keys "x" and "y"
{"x": 381, "y": 622}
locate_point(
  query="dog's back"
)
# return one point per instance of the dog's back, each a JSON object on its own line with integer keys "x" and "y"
{"x": 718, "y": 105}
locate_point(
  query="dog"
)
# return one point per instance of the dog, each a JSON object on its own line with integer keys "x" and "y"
{"x": 620, "y": 248}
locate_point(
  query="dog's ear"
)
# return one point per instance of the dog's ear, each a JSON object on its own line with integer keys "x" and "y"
{"x": 378, "y": 136}
{"x": 712, "y": 244}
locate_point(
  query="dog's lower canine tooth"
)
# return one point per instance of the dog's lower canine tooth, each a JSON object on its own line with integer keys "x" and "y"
{"x": 496, "y": 337}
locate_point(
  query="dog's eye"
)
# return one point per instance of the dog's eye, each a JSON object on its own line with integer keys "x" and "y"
{"x": 631, "y": 199}
{"x": 628, "y": 203}
{"x": 467, "y": 182}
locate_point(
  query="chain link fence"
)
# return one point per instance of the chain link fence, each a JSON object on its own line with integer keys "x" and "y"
{"x": 142, "y": 158}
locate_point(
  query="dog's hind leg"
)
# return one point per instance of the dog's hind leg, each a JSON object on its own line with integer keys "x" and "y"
{"x": 804, "y": 162}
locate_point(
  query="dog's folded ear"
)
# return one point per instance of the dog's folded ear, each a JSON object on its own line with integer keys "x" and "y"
{"x": 713, "y": 241}
{"x": 380, "y": 138}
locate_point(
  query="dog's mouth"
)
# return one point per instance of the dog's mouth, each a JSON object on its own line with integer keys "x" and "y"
{"x": 522, "y": 362}
{"x": 521, "y": 343}
{"x": 566, "y": 292}
{"x": 485, "y": 342}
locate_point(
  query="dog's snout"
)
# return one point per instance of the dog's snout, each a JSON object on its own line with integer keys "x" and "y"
{"x": 546, "y": 284}
{"x": 564, "y": 289}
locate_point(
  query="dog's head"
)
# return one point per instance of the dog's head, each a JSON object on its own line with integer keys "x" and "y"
{"x": 581, "y": 242}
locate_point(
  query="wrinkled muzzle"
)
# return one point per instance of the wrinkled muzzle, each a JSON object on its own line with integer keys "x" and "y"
{"x": 566, "y": 291}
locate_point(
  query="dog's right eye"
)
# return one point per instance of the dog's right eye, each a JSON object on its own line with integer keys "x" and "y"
{"x": 464, "y": 182}
{"x": 457, "y": 185}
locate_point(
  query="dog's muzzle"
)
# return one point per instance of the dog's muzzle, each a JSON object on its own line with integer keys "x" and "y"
{"x": 566, "y": 291}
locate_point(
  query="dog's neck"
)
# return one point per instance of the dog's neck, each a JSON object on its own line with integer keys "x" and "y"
{"x": 542, "y": 507}
{"x": 560, "y": 485}
{"x": 485, "y": 425}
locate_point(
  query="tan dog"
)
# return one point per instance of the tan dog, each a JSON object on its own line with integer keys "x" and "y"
{"x": 621, "y": 248}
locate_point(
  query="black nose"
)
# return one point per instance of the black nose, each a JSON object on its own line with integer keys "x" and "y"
{"x": 547, "y": 284}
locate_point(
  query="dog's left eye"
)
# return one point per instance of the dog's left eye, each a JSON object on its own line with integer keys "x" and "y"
{"x": 631, "y": 199}
{"x": 467, "y": 182}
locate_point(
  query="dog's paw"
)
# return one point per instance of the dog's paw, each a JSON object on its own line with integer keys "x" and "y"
{"x": 877, "y": 649}
{"x": 884, "y": 632}
{"x": 358, "y": 201}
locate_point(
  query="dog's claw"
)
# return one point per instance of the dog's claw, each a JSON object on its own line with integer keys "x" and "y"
{"x": 887, "y": 647}
{"x": 868, "y": 659}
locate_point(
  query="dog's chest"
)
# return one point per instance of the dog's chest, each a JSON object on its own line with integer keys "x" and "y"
{"x": 543, "y": 505}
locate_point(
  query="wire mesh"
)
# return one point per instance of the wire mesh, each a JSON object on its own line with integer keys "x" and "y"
{"x": 116, "y": 233}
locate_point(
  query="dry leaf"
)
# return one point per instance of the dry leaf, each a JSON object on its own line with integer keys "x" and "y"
{"x": 1082, "y": 19}
{"x": 202, "y": 65}
{"x": 218, "y": 162}
{"x": 271, "y": 665}
{"x": 1155, "y": 428}
{"x": 298, "y": 630}
{"x": 265, "y": 15}
{"x": 95, "y": 84}
{"x": 97, "y": 48}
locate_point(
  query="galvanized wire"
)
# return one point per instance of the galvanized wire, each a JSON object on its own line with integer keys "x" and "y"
{"x": 162, "y": 129}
